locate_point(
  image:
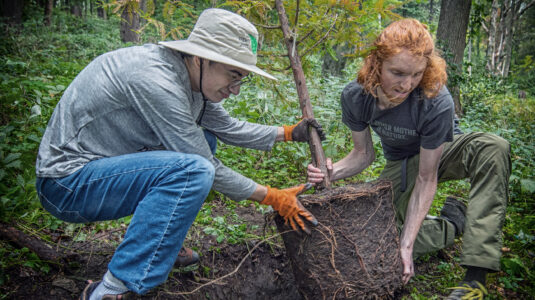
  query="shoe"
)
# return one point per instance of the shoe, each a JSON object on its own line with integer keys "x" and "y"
{"x": 454, "y": 211}
{"x": 186, "y": 257}
{"x": 468, "y": 291}
{"x": 91, "y": 286}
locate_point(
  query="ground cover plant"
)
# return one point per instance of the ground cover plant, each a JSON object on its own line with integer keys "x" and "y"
{"x": 37, "y": 64}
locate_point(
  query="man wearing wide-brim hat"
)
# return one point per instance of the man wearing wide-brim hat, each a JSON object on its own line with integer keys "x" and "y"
{"x": 135, "y": 134}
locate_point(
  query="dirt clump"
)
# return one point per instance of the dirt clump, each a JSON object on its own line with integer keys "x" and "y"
{"x": 353, "y": 253}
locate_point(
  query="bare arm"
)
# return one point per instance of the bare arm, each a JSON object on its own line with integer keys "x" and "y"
{"x": 259, "y": 194}
{"x": 360, "y": 157}
{"x": 280, "y": 134}
{"x": 419, "y": 204}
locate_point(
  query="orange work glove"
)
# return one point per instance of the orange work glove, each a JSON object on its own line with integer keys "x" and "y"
{"x": 299, "y": 132}
{"x": 286, "y": 204}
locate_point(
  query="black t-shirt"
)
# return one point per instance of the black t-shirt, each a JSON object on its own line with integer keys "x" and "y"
{"x": 416, "y": 122}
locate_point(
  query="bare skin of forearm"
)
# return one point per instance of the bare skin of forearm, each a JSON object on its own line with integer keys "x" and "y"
{"x": 419, "y": 203}
{"x": 422, "y": 195}
{"x": 280, "y": 134}
{"x": 418, "y": 207}
{"x": 259, "y": 194}
{"x": 354, "y": 163}
{"x": 361, "y": 156}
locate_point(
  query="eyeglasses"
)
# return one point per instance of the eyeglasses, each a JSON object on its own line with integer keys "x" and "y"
{"x": 237, "y": 83}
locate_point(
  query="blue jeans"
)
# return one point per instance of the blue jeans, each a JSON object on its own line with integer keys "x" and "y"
{"x": 164, "y": 190}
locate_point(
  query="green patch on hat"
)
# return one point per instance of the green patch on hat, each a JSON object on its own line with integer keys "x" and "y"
{"x": 254, "y": 43}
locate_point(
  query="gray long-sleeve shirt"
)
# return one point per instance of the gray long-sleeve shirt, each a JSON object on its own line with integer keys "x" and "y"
{"x": 137, "y": 99}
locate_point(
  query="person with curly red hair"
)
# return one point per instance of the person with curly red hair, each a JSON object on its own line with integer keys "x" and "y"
{"x": 400, "y": 93}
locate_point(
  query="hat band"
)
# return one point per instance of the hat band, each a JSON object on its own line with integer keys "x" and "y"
{"x": 237, "y": 49}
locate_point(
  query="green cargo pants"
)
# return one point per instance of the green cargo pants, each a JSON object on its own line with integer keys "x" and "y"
{"x": 485, "y": 160}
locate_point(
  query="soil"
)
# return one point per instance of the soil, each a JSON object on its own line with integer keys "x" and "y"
{"x": 353, "y": 253}
{"x": 257, "y": 269}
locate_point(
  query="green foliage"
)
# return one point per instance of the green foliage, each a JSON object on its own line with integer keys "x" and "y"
{"x": 516, "y": 271}
{"x": 317, "y": 27}
{"x": 227, "y": 228}
{"x": 492, "y": 105}
{"x": 524, "y": 38}
{"x": 174, "y": 19}
{"x": 417, "y": 9}
{"x": 523, "y": 75}
{"x": 35, "y": 67}
{"x": 11, "y": 257}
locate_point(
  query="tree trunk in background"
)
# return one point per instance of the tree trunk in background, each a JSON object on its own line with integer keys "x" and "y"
{"x": 76, "y": 10}
{"x": 470, "y": 56}
{"x": 503, "y": 22}
{"x": 101, "y": 12}
{"x": 451, "y": 33}
{"x": 508, "y": 27}
{"x": 431, "y": 11}
{"x": 130, "y": 23}
{"x": 491, "y": 45}
{"x": 143, "y": 10}
{"x": 12, "y": 11}
{"x": 48, "y": 12}
{"x": 478, "y": 44}
{"x": 334, "y": 66}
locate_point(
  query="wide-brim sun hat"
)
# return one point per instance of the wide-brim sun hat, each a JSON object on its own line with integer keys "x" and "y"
{"x": 225, "y": 37}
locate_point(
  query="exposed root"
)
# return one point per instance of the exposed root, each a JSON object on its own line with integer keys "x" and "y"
{"x": 354, "y": 251}
{"x": 215, "y": 281}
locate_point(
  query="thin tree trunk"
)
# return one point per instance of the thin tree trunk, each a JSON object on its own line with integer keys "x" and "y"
{"x": 491, "y": 45}
{"x": 101, "y": 12}
{"x": 478, "y": 47}
{"x": 513, "y": 17}
{"x": 504, "y": 21}
{"x": 431, "y": 12}
{"x": 12, "y": 11}
{"x": 318, "y": 155}
{"x": 451, "y": 32}
{"x": 143, "y": 9}
{"x": 130, "y": 23}
{"x": 335, "y": 66}
{"x": 48, "y": 12}
{"x": 502, "y": 32}
{"x": 516, "y": 13}
{"x": 76, "y": 10}
{"x": 470, "y": 56}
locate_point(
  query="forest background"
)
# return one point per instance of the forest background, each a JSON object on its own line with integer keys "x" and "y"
{"x": 489, "y": 46}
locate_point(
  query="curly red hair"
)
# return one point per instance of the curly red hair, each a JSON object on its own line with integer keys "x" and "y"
{"x": 405, "y": 34}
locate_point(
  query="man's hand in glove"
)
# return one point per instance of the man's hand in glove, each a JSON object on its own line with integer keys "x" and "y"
{"x": 299, "y": 132}
{"x": 286, "y": 204}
